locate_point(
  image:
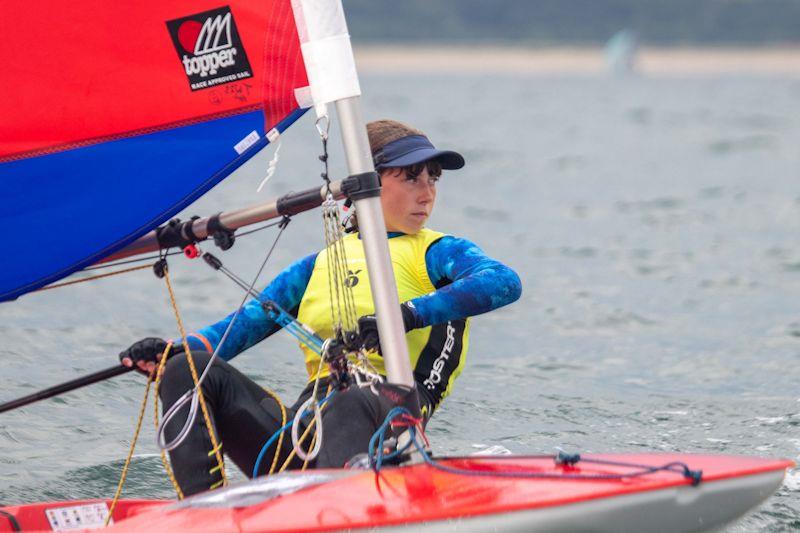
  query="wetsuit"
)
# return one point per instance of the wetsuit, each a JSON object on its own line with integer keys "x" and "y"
{"x": 445, "y": 279}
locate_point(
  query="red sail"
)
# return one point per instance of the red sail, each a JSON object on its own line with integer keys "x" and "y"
{"x": 92, "y": 70}
{"x": 114, "y": 116}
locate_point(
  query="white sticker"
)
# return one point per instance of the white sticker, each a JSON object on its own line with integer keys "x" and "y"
{"x": 302, "y": 96}
{"x": 88, "y": 516}
{"x": 246, "y": 143}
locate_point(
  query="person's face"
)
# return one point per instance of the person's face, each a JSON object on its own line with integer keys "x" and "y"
{"x": 407, "y": 201}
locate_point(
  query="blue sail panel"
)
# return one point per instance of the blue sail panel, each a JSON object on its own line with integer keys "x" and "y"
{"x": 67, "y": 210}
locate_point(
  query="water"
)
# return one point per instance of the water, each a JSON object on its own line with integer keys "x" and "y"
{"x": 653, "y": 222}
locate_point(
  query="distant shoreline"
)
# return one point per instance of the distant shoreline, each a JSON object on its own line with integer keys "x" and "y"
{"x": 575, "y": 60}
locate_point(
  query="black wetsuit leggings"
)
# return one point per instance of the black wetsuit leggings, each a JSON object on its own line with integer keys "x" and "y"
{"x": 245, "y": 417}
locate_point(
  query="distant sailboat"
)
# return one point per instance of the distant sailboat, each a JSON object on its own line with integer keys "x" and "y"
{"x": 620, "y": 51}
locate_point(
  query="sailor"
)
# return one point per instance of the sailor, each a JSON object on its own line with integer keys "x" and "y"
{"x": 442, "y": 281}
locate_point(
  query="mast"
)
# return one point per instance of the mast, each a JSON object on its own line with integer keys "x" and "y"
{"x": 333, "y": 78}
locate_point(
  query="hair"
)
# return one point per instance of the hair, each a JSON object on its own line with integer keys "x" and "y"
{"x": 382, "y": 132}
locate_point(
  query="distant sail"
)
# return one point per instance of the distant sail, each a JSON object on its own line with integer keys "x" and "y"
{"x": 621, "y": 51}
{"x": 115, "y": 116}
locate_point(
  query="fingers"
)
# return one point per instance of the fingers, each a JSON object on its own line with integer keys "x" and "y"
{"x": 146, "y": 366}
{"x": 144, "y": 355}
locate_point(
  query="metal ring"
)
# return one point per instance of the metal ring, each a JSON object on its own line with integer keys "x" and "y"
{"x": 323, "y": 132}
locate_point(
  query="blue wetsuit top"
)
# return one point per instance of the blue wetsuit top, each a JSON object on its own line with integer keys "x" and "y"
{"x": 468, "y": 283}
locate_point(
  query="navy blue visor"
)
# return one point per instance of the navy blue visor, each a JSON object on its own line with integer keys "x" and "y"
{"x": 414, "y": 149}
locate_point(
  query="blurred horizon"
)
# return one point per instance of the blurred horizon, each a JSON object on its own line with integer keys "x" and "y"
{"x": 537, "y": 23}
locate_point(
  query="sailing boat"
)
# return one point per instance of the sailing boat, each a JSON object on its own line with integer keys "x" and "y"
{"x": 620, "y": 52}
{"x": 196, "y": 90}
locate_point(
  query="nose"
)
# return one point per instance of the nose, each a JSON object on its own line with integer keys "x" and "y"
{"x": 426, "y": 192}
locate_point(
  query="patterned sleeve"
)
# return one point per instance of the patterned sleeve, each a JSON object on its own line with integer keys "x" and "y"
{"x": 467, "y": 282}
{"x": 253, "y": 325}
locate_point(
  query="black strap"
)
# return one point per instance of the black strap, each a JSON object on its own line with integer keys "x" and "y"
{"x": 364, "y": 185}
{"x": 173, "y": 234}
{"x": 223, "y": 236}
{"x": 14, "y": 524}
{"x": 214, "y": 225}
{"x": 187, "y": 230}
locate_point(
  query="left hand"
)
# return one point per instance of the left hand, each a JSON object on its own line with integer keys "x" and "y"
{"x": 368, "y": 326}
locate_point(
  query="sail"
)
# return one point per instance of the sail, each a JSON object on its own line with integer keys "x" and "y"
{"x": 115, "y": 116}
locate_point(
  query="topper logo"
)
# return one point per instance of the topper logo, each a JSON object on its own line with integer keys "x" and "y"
{"x": 213, "y": 31}
{"x": 209, "y": 46}
{"x": 210, "y": 43}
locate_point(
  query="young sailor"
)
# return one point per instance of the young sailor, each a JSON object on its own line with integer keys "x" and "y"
{"x": 442, "y": 280}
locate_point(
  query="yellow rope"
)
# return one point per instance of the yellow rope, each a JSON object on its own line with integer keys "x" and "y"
{"x": 216, "y": 448}
{"x": 130, "y": 452}
{"x": 164, "y": 459}
{"x": 280, "y": 437}
{"x": 310, "y": 447}
{"x": 150, "y": 380}
{"x": 99, "y": 276}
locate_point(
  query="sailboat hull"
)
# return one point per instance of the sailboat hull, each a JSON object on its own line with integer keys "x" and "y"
{"x": 421, "y": 497}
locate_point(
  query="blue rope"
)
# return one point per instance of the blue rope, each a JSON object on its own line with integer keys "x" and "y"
{"x": 376, "y": 445}
{"x": 376, "y": 456}
{"x": 275, "y": 436}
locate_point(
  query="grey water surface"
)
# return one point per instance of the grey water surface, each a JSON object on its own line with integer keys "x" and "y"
{"x": 654, "y": 223}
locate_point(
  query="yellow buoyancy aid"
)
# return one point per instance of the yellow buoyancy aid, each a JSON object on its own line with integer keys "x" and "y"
{"x": 437, "y": 353}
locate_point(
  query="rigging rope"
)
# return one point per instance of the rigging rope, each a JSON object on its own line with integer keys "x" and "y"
{"x": 216, "y": 447}
{"x": 135, "y": 438}
{"x": 135, "y": 260}
{"x": 298, "y": 443}
{"x": 164, "y": 461}
{"x": 145, "y": 259}
{"x": 306, "y": 336}
{"x": 343, "y": 308}
{"x": 191, "y": 394}
{"x": 284, "y": 417}
{"x": 314, "y": 405}
{"x": 280, "y": 432}
{"x": 378, "y": 454}
{"x": 92, "y": 278}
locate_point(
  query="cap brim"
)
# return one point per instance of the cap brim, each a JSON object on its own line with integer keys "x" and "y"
{"x": 449, "y": 159}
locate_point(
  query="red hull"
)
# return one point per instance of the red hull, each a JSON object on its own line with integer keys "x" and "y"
{"x": 422, "y": 494}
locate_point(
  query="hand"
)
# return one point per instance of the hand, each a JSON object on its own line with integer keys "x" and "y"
{"x": 368, "y": 326}
{"x": 146, "y": 353}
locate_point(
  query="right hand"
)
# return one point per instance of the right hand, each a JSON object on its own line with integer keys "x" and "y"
{"x": 146, "y": 354}
{"x": 368, "y": 326}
